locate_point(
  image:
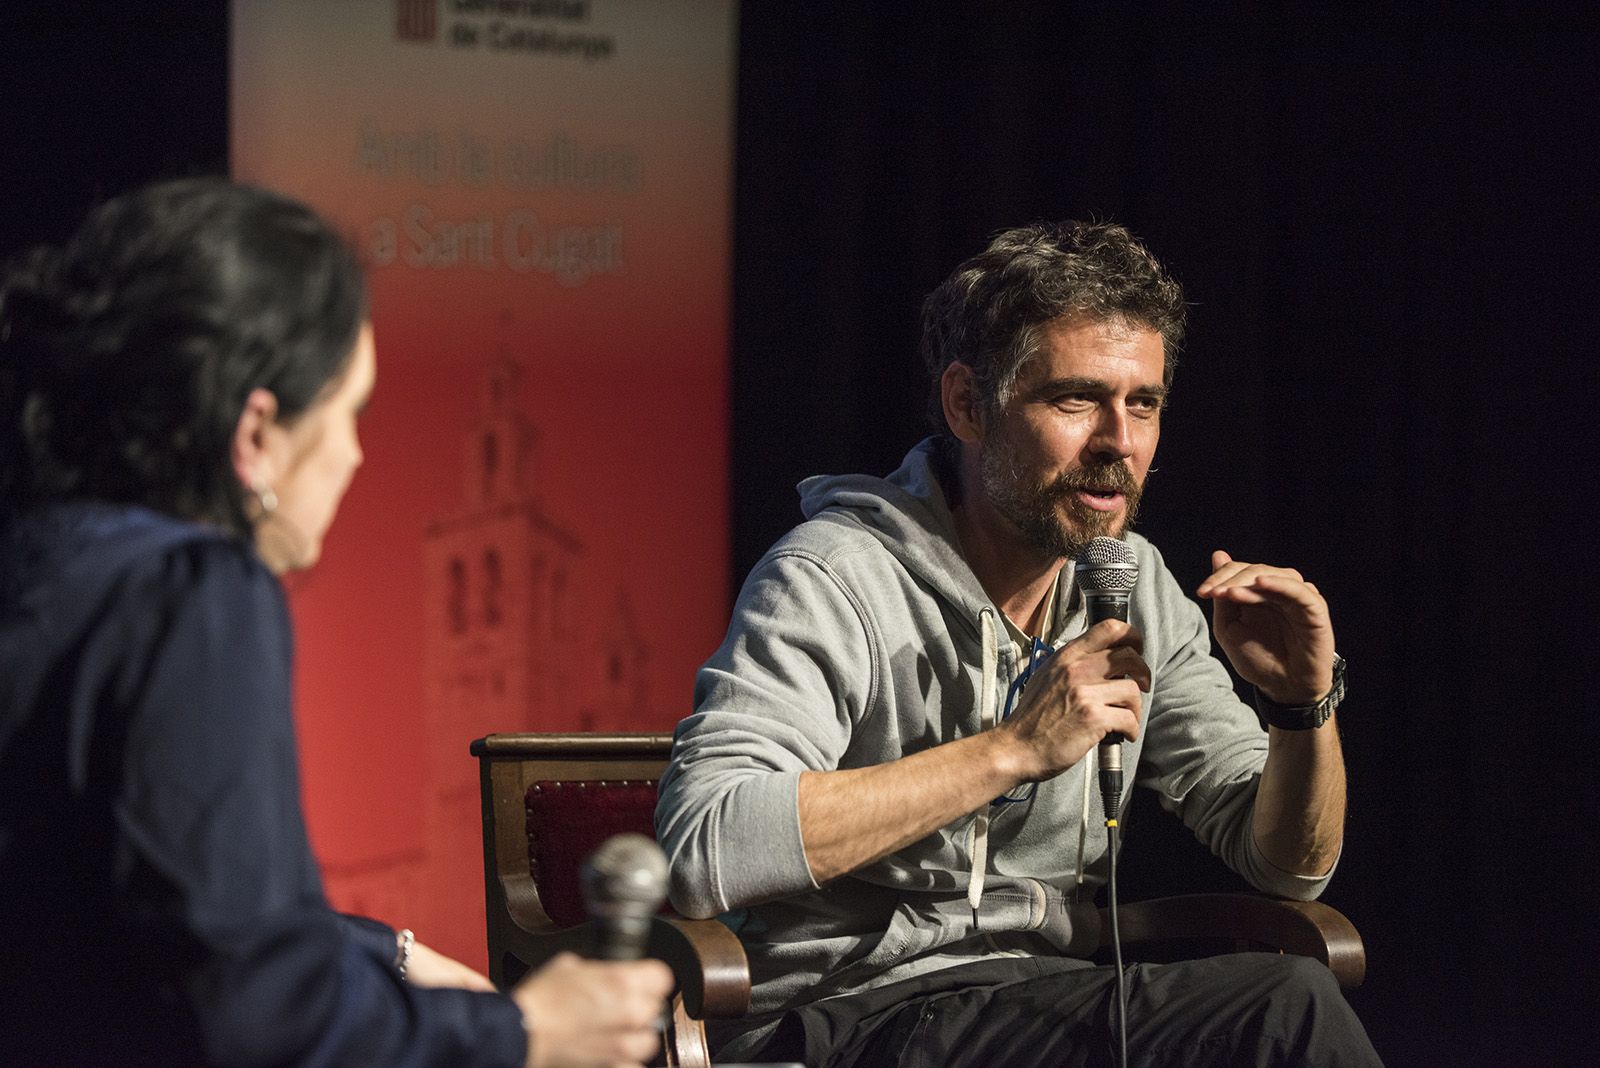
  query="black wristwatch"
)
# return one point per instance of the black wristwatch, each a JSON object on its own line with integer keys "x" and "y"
{"x": 1304, "y": 717}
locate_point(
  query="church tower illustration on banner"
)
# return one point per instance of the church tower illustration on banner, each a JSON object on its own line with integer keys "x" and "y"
{"x": 503, "y": 647}
{"x": 516, "y": 637}
{"x": 502, "y": 630}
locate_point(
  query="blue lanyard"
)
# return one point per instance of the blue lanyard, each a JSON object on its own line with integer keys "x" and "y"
{"x": 1037, "y": 655}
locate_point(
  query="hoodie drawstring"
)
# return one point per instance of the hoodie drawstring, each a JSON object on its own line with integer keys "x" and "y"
{"x": 978, "y": 843}
{"x": 1093, "y": 758}
{"x": 978, "y": 838}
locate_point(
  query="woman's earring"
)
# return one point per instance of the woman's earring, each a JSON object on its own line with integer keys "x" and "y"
{"x": 266, "y": 500}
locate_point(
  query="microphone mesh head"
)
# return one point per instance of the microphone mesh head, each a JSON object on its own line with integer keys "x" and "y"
{"x": 627, "y": 868}
{"x": 1107, "y": 565}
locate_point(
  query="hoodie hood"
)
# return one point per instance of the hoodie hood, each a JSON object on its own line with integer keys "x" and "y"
{"x": 80, "y": 544}
{"x": 909, "y": 514}
{"x": 58, "y": 565}
{"x": 59, "y": 560}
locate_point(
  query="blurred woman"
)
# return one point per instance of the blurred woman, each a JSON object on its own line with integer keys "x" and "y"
{"x": 179, "y": 389}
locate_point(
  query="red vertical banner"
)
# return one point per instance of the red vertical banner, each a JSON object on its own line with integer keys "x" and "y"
{"x": 538, "y": 537}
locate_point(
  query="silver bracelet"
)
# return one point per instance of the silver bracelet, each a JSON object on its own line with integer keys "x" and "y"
{"x": 402, "y": 959}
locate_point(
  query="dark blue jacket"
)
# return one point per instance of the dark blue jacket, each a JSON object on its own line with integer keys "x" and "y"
{"x": 159, "y": 903}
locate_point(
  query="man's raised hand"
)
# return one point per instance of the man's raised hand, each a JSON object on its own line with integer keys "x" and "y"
{"x": 1274, "y": 626}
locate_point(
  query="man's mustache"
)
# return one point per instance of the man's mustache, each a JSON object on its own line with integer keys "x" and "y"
{"x": 1113, "y": 476}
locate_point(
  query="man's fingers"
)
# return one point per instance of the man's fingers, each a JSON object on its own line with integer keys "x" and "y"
{"x": 1239, "y": 595}
{"x": 1110, "y": 649}
{"x": 1123, "y": 715}
{"x": 1230, "y": 574}
{"x": 1291, "y": 587}
{"x": 1221, "y": 576}
{"x": 1128, "y": 664}
{"x": 1289, "y": 596}
{"x": 1246, "y": 575}
{"x": 1107, "y": 634}
{"x": 1223, "y": 568}
{"x": 1113, "y": 705}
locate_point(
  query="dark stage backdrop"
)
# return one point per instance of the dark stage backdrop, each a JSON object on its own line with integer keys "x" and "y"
{"x": 1387, "y": 227}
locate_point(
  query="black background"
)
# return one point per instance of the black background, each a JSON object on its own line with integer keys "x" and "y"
{"x": 1386, "y": 224}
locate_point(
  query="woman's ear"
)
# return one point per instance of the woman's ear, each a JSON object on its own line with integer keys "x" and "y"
{"x": 958, "y": 393}
{"x": 254, "y": 461}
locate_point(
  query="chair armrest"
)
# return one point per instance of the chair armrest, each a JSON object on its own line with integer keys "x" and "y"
{"x": 709, "y": 962}
{"x": 1304, "y": 928}
{"x": 706, "y": 959}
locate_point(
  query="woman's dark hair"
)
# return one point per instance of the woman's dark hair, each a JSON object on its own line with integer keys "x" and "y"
{"x": 127, "y": 353}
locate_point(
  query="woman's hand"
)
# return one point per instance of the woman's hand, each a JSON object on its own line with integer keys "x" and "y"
{"x": 586, "y": 1013}
{"x": 429, "y": 967}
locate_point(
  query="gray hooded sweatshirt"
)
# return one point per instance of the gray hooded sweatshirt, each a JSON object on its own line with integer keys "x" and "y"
{"x": 863, "y": 636}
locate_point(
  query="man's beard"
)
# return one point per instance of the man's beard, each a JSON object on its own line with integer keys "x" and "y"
{"x": 1036, "y": 508}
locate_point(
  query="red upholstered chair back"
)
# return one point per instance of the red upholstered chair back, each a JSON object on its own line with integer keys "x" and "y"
{"x": 548, "y": 801}
{"x": 567, "y": 819}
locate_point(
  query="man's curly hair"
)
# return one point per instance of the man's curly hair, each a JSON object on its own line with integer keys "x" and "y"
{"x": 989, "y": 313}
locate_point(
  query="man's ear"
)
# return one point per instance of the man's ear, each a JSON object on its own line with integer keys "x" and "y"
{"x": 253, "y": 459}
{"x": 958, "y": 392}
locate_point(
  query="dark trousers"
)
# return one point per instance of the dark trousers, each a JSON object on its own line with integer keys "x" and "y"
{"x": 1243, "y": 1009}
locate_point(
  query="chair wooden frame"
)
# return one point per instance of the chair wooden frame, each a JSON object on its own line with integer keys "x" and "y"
{"x": 707, "y": 959}
{"x": 1240, "y": 922}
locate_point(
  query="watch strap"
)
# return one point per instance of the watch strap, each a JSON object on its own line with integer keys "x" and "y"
{"x": 1304, "y": 717}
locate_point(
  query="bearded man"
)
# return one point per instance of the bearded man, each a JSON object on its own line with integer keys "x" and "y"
{"x": 897, "y": 828}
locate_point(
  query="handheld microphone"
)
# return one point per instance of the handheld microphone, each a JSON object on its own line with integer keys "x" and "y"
{"x": 624, "y": 883}
{"x": 1106, "y": 572}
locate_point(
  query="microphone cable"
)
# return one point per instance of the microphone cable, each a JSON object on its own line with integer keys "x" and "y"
{"x": 1110, "y": 794}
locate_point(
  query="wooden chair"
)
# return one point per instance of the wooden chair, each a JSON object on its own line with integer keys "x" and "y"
{"x": 550, "y": 799}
